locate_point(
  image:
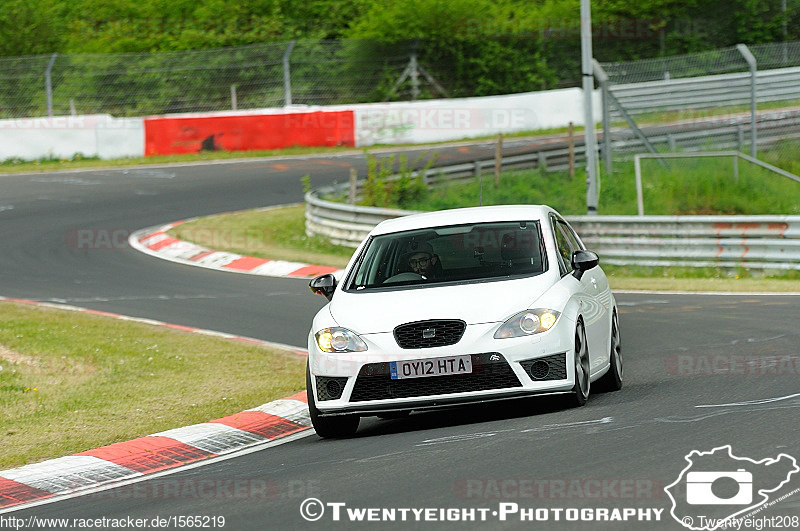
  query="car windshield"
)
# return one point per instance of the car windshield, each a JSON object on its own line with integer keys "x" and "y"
{"x": 458, "y": 253}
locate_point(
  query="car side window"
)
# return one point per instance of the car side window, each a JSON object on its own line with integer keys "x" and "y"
{"x": 571, "y": 236}
{"x": 567, "y": 242}
{"x": 564, "y": 248}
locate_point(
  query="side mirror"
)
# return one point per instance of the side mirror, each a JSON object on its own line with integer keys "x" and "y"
{"x": 323, "y": 285}
{"x": 583, "y": 261}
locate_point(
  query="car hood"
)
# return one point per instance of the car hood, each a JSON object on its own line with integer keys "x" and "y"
{"x": 485, "y": 302}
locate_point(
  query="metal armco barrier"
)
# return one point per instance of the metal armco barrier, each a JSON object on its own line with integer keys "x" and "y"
{"x": 707, "y": 91}
{"x": 343, "y": 224}
{"x": 761, "y": 242}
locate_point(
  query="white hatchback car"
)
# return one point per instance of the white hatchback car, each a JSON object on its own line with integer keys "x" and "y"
{"x": 461, "y": 306}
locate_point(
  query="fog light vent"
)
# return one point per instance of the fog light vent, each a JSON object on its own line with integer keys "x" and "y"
{"x": 539, "y": 370}
{"x": 546, "y": 368}
{"x": 330, "y": 388}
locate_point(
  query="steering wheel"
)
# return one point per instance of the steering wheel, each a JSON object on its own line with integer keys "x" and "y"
{"x": 403, "y": 277}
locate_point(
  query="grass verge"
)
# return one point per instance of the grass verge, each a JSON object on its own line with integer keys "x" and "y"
{"x": 685, "y": 187}
{"x": 71, "y": 382}
{"x": 275, "y": 233}
{"x": 279, "y": 233}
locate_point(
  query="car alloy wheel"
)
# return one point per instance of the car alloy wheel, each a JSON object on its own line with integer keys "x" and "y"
{"x": 612, "y": 380}
{"x": 580, "y": 391}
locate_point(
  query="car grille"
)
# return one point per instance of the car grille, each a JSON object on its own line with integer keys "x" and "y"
{"x": 330, "y": 387}
{"x": 427, "y": 334}
{"x": 489, "y": 371}
{"x": 552, "y": 367}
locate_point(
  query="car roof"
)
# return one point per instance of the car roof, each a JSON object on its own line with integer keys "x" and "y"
{"x": 460, "y": 216}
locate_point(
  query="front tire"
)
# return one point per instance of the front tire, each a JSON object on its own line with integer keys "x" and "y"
{"x": 580, "y": 391}
{"x": 338, "y": 427}
{"x": 612, "y": 380}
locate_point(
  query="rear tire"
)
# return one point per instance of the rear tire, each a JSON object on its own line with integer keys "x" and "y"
{"x": 612, "y": 380}
{"x": 337, "y": 427}
{"x": 580, "y": 391}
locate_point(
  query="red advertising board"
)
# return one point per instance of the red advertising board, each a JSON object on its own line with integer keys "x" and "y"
{"x": 173, "y": 135}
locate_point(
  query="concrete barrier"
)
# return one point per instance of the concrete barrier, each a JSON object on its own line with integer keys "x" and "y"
{"x": 427, "y": 121}
{"x": 97, "y": 135}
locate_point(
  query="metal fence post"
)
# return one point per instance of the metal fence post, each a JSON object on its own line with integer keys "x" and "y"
{"x": 542, "y": 161}
{"x": 751, "y": 62}
{"x": 602, "y": 78}
{"x": 48, "y": 85}
{"x": 287, "y": 80}
{"x": 637, "y": 168}
{"x": 784, "y": 33}
{"x": 590, "y": 140}
{"x": 415, "y": 91}
{"x": 571, "y": 149}
{"x": 351, "y": 195}
{"x": 671, "y": 141}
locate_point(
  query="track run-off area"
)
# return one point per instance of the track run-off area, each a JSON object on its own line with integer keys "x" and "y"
{"x": 702, "y": 371}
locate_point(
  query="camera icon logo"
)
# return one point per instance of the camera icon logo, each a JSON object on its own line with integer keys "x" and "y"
{"x": 700, "y": 487}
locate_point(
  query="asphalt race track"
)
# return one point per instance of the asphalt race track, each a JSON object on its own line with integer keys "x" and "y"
{"x": 702, "y": 371}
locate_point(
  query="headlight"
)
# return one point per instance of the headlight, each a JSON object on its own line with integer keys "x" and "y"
{"x": 528, "y": 323}
{"x": 339, "y": 340}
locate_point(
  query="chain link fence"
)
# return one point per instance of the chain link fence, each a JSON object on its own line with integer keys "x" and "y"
{"x": 708, "y": 93}
{"x": 247, "y": 77}
{"x": 708, "y": 98}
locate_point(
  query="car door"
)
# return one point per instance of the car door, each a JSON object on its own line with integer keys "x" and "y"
{"x": 593, "y": 294}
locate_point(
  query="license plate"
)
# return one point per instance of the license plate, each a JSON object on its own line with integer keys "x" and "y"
{"x": 430, "y": 367}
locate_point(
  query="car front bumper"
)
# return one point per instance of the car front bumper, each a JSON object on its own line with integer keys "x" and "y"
{"x": 502, "y": 369}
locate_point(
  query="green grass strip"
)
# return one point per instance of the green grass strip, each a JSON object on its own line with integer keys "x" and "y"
{"x": 71, "y": 382}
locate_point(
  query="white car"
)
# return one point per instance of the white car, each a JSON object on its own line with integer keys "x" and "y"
{"x": 461, "y": 306}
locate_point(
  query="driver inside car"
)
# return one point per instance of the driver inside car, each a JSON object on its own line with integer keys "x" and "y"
{"x": 422, "y": 260}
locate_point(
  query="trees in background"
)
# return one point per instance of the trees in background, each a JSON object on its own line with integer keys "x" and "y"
{"x": 471, "y": 47}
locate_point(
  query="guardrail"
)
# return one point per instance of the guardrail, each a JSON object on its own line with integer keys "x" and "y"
{"x": 759, "y": 242}
{"x": 707, "y": 91}
{"x": 340, "y": 223}
{"x": 723, "y": 133}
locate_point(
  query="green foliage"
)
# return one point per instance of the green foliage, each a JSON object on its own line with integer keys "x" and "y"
{"x": 624, "y": 28}
{"x": 566, "y": 195}
{"x": 407, "y": 188}
{"x": 707, "y": 186}
{"x": 306, "y": 181}
{"x": 463, "y": 43}
{"x": 28, "y": 28}
{"x": 471, "y": 47}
